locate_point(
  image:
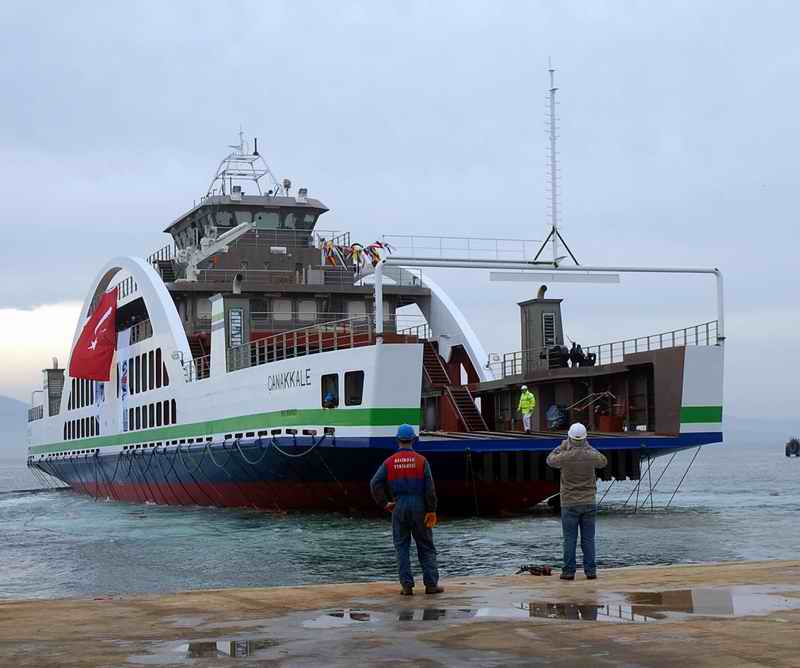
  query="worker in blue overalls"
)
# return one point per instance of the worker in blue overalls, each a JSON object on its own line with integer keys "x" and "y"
{"x": 412, "y": 502}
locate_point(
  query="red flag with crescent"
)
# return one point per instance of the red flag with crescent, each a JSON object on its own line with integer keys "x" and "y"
{"x": 92, "y": 354}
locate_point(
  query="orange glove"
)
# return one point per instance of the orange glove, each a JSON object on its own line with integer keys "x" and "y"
{"x": 430, "y": 520}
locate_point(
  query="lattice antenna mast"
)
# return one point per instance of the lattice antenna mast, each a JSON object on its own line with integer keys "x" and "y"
{"x": 241, "y": 165}
{"x": 553, "y": 164}
{"x": 554, "y": 238}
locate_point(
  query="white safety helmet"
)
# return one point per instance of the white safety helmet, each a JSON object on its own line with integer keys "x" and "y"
{"x": 577, "y": 432}
{"x": 524, "y": 387}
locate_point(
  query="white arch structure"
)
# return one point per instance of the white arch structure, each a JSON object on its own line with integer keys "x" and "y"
{"x": 167, "y": 327}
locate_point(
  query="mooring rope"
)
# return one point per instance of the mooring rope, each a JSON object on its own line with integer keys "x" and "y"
{"x": 244, "y": 471}
{"x": 259, "y": 460}
{"x": 78, "y": 473}
{"x": 333, "y": 475}
{"x": 299, "y": 454}
{"x": 171, "y": 463}
{"x": 143, "y": 477}
{"x": 222, "y": 467}
{"x": 191, "y": 475}
{"x": 160, "y": 452}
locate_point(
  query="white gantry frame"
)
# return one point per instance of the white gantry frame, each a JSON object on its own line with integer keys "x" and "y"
{"x": 552, "y": 269}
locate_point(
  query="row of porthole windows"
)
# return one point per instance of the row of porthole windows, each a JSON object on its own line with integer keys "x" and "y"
{"x": 81, "y": 393}
{"x": 208, "y": 439}
{"x": 158, "y": 414}
{"x": 68, "y": 453}
{"x": 145, "y": 372}
{"x": 81, "y": 428}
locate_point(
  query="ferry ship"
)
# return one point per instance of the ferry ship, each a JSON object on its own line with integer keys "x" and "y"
{"x": 258, "y": 361}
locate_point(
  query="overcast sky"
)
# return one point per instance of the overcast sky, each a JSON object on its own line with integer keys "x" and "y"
{"x": 678, "y": 145}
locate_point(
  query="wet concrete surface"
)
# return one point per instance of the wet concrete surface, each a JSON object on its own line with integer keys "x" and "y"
{"x": 727, "y": 614}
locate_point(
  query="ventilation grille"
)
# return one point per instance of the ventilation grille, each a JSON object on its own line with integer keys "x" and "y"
{"x": 549, "y": 329}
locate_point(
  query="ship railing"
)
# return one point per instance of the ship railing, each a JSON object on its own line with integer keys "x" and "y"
{"x": 140, "y": 331}
{"x": 523, "y": 362}
{"x": 270, "y": 276}
{"x": 197, "y": 368}
{"x": 422, "y": 331}
{"x": 342, "y": 334}
{"x": 463, "y": 248}
{"x": 36, "y": 413}
{"x": 165, "y": 253}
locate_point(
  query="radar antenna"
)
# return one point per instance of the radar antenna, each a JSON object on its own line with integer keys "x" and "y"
{"x": 554, "y": 237}
{"x": 243, "y": 165}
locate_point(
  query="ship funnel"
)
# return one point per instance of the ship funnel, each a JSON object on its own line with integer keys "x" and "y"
{"x": 542, "y": 290}
{"x": 55, "y": 362}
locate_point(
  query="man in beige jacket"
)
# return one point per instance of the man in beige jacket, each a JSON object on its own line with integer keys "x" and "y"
{"x": 578, "y": 461}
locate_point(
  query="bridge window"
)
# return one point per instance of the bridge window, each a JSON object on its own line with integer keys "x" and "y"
{"x": 152, "y": 411}
{"x": 307, "y": 310}
{"x": 329, "y": 388}
{"x": 282, "y": 309}
{"x": 145, "y": 386}
{"x": 353, "y": 388}
{"x": 151, "y": 383}
{"x": 266, "y": 220}
{"x": 174, "y": 412}
{"x": 158, "y": 414}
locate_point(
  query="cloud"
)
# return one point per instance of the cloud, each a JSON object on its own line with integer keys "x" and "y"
{"x": 29, "y": 339}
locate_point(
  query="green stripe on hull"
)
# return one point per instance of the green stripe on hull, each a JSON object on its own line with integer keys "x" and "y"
{"x": 340, "y": 417}
{"x": 695, "y": 414}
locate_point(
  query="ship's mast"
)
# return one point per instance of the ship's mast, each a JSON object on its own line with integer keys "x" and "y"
{"x": 553, "y": 164}
{"x": 554, "y": 237}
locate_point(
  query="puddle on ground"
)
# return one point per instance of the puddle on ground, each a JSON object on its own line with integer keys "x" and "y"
{"x": 613, "y": 607}
{"x": 610, "y": 607}
{"x": 237, "y": 649}
{"x": 730, "y": 602}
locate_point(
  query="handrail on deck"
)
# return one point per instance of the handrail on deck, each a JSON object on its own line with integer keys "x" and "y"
{"x": 321, "y": 337}
{"x": 525, "y": 361}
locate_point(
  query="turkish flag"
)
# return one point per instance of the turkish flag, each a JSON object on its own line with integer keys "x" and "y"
{"x": 92, "y": 355}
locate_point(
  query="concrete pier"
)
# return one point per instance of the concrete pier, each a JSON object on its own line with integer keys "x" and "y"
{"x": 737, "y": 614}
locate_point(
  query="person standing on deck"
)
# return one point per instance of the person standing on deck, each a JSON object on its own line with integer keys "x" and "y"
{"x": 412, "y": 502}
{"x": 527, "y": 404}
{"x": 578, "y": 461}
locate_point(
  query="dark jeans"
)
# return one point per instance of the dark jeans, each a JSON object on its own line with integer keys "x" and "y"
{"x": 572, "y": 518}
{"x": 408, "y": 520}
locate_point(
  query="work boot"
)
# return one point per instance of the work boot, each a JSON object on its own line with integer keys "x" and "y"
{"x": 407, "y": 590}
{"x": 566, "y": 576}
{"x": 436, "y": 589}
{"x": 593, "y": 576}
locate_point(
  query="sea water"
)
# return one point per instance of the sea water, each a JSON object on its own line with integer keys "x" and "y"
{"x": 737, "y": 502}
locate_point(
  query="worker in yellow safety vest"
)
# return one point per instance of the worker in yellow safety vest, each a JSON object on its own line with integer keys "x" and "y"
{"x": 527, "y": 404}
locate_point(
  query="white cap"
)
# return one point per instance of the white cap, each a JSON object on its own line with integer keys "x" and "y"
{"x": 577, "y": 432}
{"x": 524, "y": 387}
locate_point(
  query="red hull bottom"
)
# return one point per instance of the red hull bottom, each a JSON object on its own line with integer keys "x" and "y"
{"x": 457, "y": 498}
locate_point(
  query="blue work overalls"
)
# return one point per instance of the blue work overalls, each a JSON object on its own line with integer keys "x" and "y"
{"x": 408, "y": 477}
